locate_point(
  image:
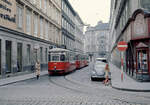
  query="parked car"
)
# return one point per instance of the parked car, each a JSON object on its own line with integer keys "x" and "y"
{"x": 98, "y": 70}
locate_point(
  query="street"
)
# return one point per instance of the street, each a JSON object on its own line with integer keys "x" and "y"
{"x": 75, "y": 88}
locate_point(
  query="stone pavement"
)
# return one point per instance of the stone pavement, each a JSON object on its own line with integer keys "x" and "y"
{"x": 128, "y": 83}
{"x": 14, "y": 79}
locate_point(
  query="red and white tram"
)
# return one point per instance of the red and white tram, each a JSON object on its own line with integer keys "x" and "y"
{"x": 61, "y": 61}
{"x": 81, "y": 61}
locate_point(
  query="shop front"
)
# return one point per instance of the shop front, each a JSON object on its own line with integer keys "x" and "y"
{"x": 138, "y": 52}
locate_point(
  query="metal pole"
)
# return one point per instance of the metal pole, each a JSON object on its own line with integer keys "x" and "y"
{"x": 122, "y": 66}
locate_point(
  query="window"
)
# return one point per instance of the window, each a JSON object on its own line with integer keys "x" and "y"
{"x": 28, "y": 22}
{"x": 41, "y": 27}
{"x": 49, "y": 57}
{"x": 62, "y": 57}
{"x": 40, "y": 1}
{"x": 28, "y": 53}
{"x": 145, "y": 4}
{"x": 46, "y": 55}
{"x": 34, "y": 1}
{"x": 55, "y": 58}
{"x": 35, "y": 25}
{"x": 41, "y": 55}
{"x": 19, "y": 17}
{"x": 46, "y": 30}
{"x": 45, "y": 5}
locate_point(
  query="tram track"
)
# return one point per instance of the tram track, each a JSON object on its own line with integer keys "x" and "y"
{"x": 65, "y": 86}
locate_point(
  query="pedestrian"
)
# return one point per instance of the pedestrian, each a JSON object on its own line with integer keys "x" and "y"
{"x": 107, "y": 70}
{"x": 37, "y": 66}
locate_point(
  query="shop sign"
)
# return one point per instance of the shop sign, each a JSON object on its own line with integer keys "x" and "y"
{"x": 6, "y": 6}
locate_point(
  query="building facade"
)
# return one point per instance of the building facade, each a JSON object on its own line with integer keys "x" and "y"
{"x": 68, "y": 25}
{"x": 27, "y": 29}
{"x": 79, "y": 37}
{"x": 130, "y": 22}
{"x": 96, "y": 40}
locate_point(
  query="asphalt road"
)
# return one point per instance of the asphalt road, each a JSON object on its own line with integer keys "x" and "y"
{"x": 75, "y": 88}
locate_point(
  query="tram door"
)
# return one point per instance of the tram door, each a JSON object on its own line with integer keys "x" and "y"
{"x": 142, "y": 61}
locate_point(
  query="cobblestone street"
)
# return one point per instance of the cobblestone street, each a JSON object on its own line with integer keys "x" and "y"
{"x": 75, "y": 88}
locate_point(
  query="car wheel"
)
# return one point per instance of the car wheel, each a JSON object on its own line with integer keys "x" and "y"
{"x": 92, "y": 79}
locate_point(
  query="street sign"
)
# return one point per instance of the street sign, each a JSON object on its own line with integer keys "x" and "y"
{"x": 122, "y": 46}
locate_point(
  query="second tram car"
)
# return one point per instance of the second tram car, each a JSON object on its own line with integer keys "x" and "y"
{"x": 61, "y": 61}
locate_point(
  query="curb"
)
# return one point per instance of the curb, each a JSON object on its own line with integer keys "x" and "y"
{"x": 5, "y": 84}
{"x": 130, "y": 90}
{"x": 15, "y": 82}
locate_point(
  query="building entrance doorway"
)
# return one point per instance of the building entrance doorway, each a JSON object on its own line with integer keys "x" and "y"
{"x": 8, "y": 56}
{"x": 19, "y": 57}
{"x": 142, "y": 61}
{"x": 0, "y": 58}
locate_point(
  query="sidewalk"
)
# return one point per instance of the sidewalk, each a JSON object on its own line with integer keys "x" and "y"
{"x": 128, "y": 83}
{"x": 14, "y": 79}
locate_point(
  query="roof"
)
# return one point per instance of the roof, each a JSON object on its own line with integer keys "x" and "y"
{"x": 99, "y": 26}
{"x": 102, "y": 26}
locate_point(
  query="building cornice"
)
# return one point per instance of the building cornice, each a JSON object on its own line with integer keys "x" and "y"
{"x": 56, "y": 5}
{"x": 17, "y": 33}
{"x": 71, "y": 8}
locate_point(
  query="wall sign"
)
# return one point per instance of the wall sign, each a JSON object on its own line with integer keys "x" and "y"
{"x": 5, "y": 6}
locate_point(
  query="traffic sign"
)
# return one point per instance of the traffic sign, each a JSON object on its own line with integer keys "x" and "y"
{"x": 122, "y": 46}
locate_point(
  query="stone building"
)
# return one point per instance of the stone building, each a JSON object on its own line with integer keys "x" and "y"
{"x": 68, "y": 25}
{"x": 96, "y": 40}
{"x": 79, "y": 37}
{"x": 27, "y": 29}
{"x": 130, "y": 22}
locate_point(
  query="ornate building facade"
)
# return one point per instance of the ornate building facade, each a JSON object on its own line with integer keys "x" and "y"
{"x": 96, "y": 40}
{"x": 130, "y": 22}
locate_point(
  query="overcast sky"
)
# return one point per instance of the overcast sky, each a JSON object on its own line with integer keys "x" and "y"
{"x": 92, "y": 11}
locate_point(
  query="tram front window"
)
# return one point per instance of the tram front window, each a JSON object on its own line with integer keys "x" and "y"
{"x": 55, "y": 58}
{"x": 62, "y": 57}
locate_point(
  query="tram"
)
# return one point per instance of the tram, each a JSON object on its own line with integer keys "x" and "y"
{"x": 61, "y": 61}
{"x": 81, "y": 61}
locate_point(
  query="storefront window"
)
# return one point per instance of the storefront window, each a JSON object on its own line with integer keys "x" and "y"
{"x": 142, "y": 61}
{"x": 145, "y": 4}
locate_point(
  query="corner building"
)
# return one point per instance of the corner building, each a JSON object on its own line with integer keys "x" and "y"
{"x": 28, "y": 28}
{"x": 130, "y": 22}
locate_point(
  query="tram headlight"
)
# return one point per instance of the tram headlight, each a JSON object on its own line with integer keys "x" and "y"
{"x": 55, "y": 67}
